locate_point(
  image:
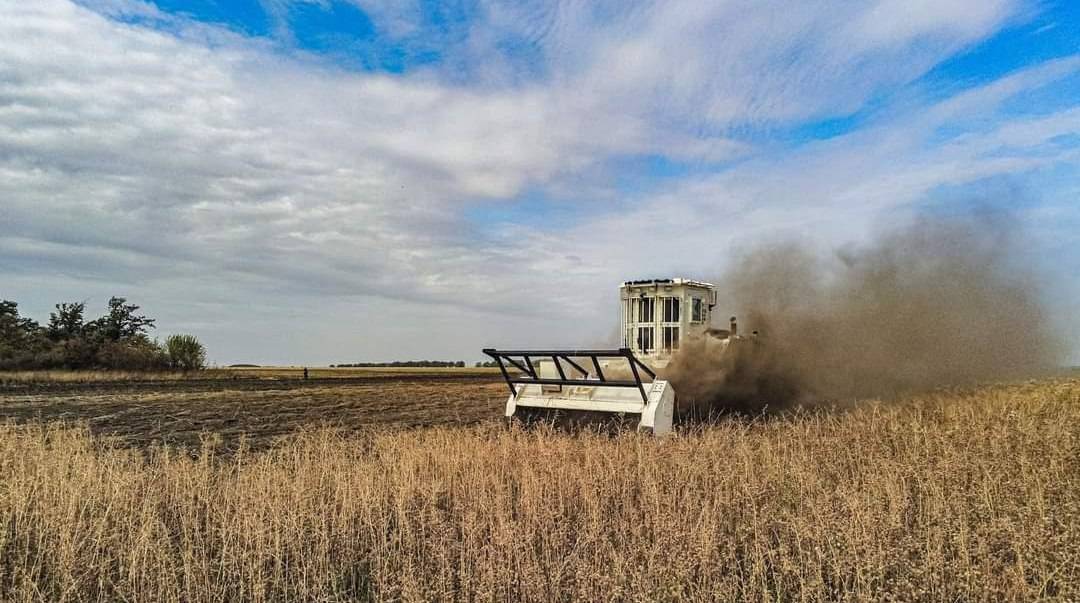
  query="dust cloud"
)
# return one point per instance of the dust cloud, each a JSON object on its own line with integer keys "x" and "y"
{"x": 938, "y": 302}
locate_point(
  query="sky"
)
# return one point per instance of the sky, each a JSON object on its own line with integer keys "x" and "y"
{"x": 326, "y": 181}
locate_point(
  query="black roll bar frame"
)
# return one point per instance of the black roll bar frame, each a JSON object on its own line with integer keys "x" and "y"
{"x": 522, "y": 361}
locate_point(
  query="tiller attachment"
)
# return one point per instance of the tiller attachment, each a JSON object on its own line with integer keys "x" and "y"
{"x": 595, "y": 381}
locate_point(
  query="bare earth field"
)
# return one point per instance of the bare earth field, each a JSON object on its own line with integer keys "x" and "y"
{"x": 260, "y": 404}
{"x": 964, "y": 495}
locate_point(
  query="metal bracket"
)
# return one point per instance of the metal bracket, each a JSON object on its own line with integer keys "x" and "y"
{"x": 528, "y": 374}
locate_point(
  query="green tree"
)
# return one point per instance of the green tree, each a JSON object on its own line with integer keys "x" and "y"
{"x": 67, "y": 322}
{"x": 22, "y": 340}
{"x": 122, "y": 321}
{"x": 73, "y": 345}
{"x": 185, "y": 352}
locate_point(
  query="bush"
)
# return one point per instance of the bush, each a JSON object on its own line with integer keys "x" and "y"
{"x": 137, "y": 353}
{"x": 75, "y": 353}
{"x": 185, "y": 352}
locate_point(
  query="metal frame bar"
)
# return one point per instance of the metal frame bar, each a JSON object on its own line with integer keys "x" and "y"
{"x": 529, "y": 375}
{"x": 558, "y": 366}
{"x": 519, "y": 366}
{"x": 575, "y": 365}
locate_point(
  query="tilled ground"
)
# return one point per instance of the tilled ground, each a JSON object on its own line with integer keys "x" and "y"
{"x": 261, "y": 410}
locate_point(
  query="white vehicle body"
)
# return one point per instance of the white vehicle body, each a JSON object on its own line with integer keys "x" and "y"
{"x": 658, "y": 317}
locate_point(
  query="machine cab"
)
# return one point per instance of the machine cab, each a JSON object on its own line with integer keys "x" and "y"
{"x": 659, "y": 315}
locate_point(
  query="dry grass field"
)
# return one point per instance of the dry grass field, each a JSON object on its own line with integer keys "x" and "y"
{"x": 967, "y": 495}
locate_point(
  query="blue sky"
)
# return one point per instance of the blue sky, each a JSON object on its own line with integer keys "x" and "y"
{"x": 317, "y": 181}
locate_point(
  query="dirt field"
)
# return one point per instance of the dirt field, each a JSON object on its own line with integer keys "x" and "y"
{"x": 262, "y": 404}
{"x": 51, "y": 378}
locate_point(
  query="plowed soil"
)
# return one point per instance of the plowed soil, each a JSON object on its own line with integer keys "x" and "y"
{"x": 188, "y": 412}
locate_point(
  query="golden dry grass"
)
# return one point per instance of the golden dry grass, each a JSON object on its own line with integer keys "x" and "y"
{"x": 63, "y": 376}
{"x": 963, "y": 496}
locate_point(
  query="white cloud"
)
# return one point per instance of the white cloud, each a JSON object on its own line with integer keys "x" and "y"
{"x": 394, "y": 18}
{"x": 899, "y": 22}
{"x": 182, "y": 161}
{"x": 830, "y": 191}
{"x": 727, "y": 64}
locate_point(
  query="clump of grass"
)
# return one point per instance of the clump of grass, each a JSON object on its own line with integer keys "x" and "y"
{"x": 971, "y": 496}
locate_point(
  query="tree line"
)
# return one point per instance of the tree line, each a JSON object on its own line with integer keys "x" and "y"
{"x": 117, "y": 340}
{"x": 405, "y": 363}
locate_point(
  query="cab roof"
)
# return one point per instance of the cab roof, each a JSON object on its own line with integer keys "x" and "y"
{"x": 668, "y": 281}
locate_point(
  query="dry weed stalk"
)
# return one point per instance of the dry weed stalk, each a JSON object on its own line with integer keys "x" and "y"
{"x": 971, "y": 496}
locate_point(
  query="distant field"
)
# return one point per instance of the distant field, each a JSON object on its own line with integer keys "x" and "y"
{"x": 339, "y": 372}
{"x": 262, "y": 372}
{"x": 966, "y": 495}
{"x": 258, "y": 404}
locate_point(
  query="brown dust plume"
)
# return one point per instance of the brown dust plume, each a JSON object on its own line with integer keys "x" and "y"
{"x": 938, "y": 302}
